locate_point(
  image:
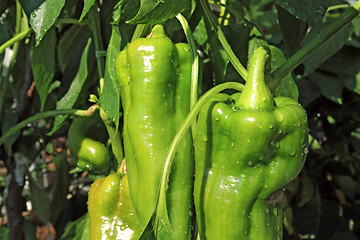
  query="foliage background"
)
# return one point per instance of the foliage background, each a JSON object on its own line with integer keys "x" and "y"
{"x": 67, "y": 46}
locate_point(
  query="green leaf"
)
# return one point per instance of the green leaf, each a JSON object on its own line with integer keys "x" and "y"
{"x": 355, "y": 139}
{"x": 307, "y": 217}
{"x": 325, "y": 51}
{"x": 70, "y": 98}
{"x": 352, "y": 83}
{"x": 59, "y": 187}
{"x": 356, "y": 25}
{"x": 110, "y": 97}
{"x": 42, "y": 15}
{"x": 292, "y": 29}
{"x": 4, "y": 232}
{"x": 345, "y": 62}
{"x": 87, "y": 5}
{"x": 330, "y": 86}
{"x": 287, "y": 86}
{"x": 43, "y": 65}
{"x": 78, "y": 230}
{"x": 40, "y": 200}
{"x": 158, "y": 11}
{"x": 70, "y": 44}
{"x": 347, "y": 185}
{"x": 330, "y": 219}
{"x": 311, "y": 11}
{"x": 200, "y": 34}
{"x": 29, "y": 230}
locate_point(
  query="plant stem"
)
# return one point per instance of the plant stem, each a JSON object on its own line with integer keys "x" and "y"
{"x": 115, "y": 137}
{"x": 161, "y": 203}
{"x": 15, "y": 39}
{"x": 195, "y": 63}
{"x": 326, "y": 33}
{"x": 227, "y": 48}
{"x": 52, "y": 113}
{"x": 140, "y": 30}
{"x": 94, "y": 21}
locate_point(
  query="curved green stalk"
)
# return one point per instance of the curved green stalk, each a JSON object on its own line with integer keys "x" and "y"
{"x": 43, "y": 115}
{"x": 161, "y": 202}
{"x": 115, "y": 137}
{"x": 227, "y": 48}
{"x": 195, "y": 59}
{"x": 94, "y": 21}
{"x": 15, "y": 39}
{"x": 140, "y": 30}
{"x": 327, "y": 32}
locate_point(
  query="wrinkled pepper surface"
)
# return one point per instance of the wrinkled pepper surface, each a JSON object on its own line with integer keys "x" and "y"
{"x": 112, "y": 215}
{"x": 248, "y": 146}
{"x": 154, "y": 76}
{"x": 86, "y": 140}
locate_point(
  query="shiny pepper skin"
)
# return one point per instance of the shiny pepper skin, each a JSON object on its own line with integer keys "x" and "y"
{"x": 86, "y": 138}
{"x": 248, "y": 147}
{"x": 112, "y": 215}
{"x": 154, "y": 77}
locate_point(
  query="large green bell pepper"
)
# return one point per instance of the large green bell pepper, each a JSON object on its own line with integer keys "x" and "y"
{"x": 154, "y": 76}
{"x": 248, "y": 147}
{"x": 112, "y": 215}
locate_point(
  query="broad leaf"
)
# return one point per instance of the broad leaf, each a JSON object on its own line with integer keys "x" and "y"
{"x": 70, "y": 98}
{"x": 325, "y": 51}
{"x": 330, "y": 86}
{"x": 110, "y": 97}
{"x": 43, "y": 64}
{"x": 29, "y": 230}
{"x": 4, "y": 232}
{"x": 344, "y": 62}
{"x": 311, "y": 11}
{"x": 42, "y": 15}
{"x": 355, "y": 140}
{"x": 158, "y": 11}
{"x": 39, "y": 200}
{"x": 287, "y": 86}
{"x": 307, "y": 217}
{"x": 72, "y": 43}
{"x": 330, "y": 219}
{"x": 59, "y": 185}
{"x": 78, "y": 230}
{"x": 352, "y": 83}
{"x": 87, "y": 5}
{"x": 292, "y": 29}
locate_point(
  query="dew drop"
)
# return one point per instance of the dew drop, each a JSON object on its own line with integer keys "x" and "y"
{"x": 285, "y": 4}
{"x": 291, "y": 10}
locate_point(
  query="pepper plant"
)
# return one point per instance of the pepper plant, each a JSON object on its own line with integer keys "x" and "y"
{"x": 179, "y": 119}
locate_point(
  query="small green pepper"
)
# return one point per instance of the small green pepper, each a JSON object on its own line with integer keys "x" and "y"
{"x": 112, "y": 215}
{"x": 248, "y": 146}
{"x": 86, "y": 138}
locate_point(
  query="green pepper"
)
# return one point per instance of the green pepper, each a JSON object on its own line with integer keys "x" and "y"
{"x": 154, "y": 76}
{"x": 86, "y": 138}
{"x": 112, "y": 215}
{"x": 248, "y": 147}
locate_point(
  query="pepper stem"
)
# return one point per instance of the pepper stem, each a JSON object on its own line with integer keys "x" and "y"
{"x": 157, "y": 32}
{"x": 256, "y": 95}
